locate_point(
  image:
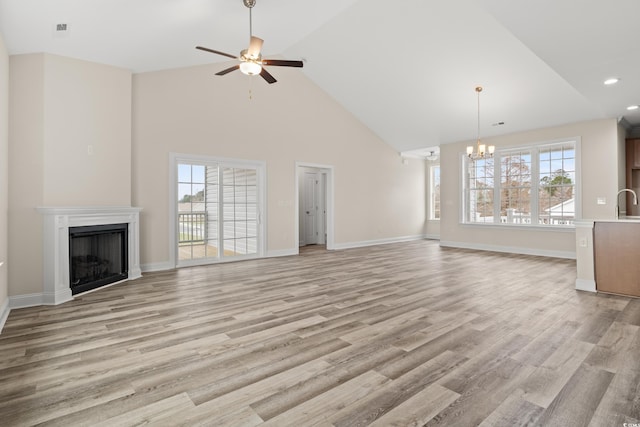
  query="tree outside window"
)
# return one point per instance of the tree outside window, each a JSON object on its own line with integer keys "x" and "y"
{"x": 481, "y": 191}
{"x": 536, "y": 186}
{"x": 556, "y": 194}
{"x": 515, "y": 188}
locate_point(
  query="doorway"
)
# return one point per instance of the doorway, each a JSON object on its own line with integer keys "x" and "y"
{"x": 315, "y": 208}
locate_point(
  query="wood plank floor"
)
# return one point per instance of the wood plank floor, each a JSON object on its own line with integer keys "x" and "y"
{"x": 404, "y": 334}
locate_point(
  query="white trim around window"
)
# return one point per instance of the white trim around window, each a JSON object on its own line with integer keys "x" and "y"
{"x": 535, "y": 186}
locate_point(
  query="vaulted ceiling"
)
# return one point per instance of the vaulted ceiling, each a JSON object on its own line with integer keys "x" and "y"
{"x": 406, "y": 69}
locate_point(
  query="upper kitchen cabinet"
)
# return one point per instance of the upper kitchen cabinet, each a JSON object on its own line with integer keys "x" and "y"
{"x": 632, "y": 154}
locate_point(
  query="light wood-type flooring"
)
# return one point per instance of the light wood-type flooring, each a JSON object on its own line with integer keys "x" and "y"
{"x": 393, "y": 335}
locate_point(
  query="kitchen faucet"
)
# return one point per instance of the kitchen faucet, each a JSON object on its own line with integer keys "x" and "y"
{"x": 635, "y": 200}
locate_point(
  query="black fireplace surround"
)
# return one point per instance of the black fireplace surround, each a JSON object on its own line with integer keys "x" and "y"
{"x": 98, "y": 256}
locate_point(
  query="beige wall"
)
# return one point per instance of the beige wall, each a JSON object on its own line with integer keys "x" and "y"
{"x": 87, "y": 135}
{"x": 193, "y": 111}
{"x": 60, "y": 106}
{"x": 4, "y": 174}
{"x": 599, "y": 175}
{"x": 26, "y": 174}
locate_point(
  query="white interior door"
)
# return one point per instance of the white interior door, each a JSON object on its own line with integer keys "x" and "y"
{"x": 315, "y": 195}
{"x": 310, "y": 208}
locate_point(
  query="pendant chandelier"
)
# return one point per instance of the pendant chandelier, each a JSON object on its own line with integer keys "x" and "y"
{"x": 480, "y": 149}
{"x": 432, "y": 156}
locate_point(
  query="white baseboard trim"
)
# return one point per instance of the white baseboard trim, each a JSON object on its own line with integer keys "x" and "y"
{"x": 55, "y": 298}
{"x": 365, "y": 243}
{"x": 24, "y": 301}
{"x": 4, "y": 313}
{"x": 134, "y": 274}
{"x": 282, "y": 252}
{"x": 157, "y": 266}
{"x": 163, "y": 266}
{"x": 33, "y": 300}
{"x": 509, "y": 249}
{"x": 432, "y": 236}
{"x": 587, "y": 285}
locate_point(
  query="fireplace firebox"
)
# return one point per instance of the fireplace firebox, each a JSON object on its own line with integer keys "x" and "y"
{"x": 97, "y": 256}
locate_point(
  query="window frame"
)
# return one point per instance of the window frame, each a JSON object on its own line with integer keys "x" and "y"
{"x": 535, "y": 149}
{"x": 432, "y": 195}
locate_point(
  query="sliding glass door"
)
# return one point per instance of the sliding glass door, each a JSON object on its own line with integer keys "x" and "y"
{"x": 218, "y": 205}
{"x": 239, "y": 211}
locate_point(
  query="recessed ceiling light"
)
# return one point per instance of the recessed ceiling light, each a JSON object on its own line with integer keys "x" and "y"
{"x": 611, "y": 81}
{"x": 633, "y": 107}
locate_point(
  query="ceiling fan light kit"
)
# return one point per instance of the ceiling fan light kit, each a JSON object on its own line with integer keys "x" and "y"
{"x": 251, "y": 62}
{"x": 250, "y": 68}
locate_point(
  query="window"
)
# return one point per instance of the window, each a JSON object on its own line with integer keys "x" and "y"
{"x": 557, "y": 189}
{"x": 515, "y": 187}
{"x": 217, "y": 209}
{"x": 524, "y": 186}
{"x": 480, "y": 191}
{"x": 434, "y": 193}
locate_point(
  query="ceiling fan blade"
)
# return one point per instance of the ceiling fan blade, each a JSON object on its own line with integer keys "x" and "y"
{"x": 206, "y": 49}
{"x": 282, "y": 63}
{"x": 228, "y": 70}
{"x": 255, "y": 45}
{"x": 267, "y": 76}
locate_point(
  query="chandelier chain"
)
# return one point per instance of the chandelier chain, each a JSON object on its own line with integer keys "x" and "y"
{"x": 479, "y": 152}
{"x": 478, "y": 90}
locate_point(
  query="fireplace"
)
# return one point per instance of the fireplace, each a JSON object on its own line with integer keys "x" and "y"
{"x": 60, "y": 223}
{"x": 97, "y": 256}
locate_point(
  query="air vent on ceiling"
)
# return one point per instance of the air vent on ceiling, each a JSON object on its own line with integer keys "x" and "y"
{"x": 61, "y": 29}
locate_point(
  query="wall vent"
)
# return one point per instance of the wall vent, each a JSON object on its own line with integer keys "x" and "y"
{"x": 61, "y": 29}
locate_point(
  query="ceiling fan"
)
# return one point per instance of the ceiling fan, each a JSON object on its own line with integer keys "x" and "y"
{"x": 251, "y": 61}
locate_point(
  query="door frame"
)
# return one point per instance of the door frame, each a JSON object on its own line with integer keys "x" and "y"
{"x": 330, "y": 186}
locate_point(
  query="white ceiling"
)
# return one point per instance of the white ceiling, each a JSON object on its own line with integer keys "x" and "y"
{"x": 406, "y": 69}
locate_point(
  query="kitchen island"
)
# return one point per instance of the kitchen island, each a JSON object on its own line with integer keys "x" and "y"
{"x": 617, "y": 257}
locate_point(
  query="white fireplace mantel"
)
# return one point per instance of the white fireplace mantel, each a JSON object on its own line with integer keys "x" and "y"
{"x": 57, "y": 220}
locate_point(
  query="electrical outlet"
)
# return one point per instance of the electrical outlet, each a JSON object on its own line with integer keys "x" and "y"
{"x": 601, "y": 200}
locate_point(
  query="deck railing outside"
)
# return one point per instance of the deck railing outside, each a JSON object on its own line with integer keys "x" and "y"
{"x": 192, "y": 227}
